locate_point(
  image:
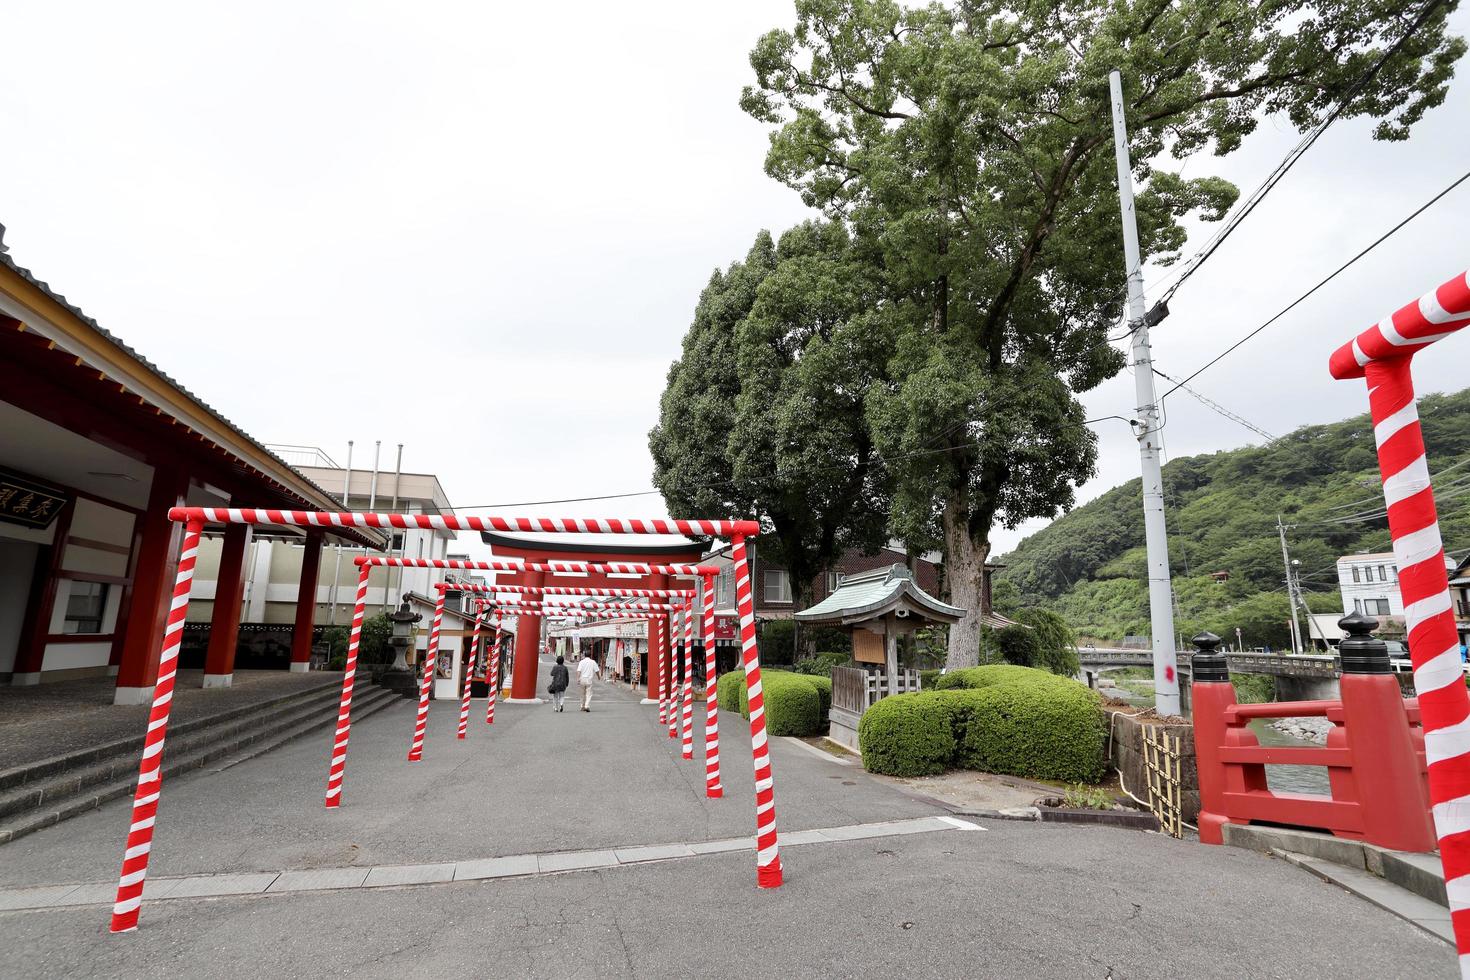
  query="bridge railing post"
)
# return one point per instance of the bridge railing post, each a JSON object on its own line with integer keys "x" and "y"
{"x": 1387, "y": 780}
{"x": 1212, "y": 695}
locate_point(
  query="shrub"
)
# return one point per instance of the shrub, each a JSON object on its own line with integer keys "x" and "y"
{"x": 822, "y": 664}
{"x": 824, "y": 692}
{"x": 729, "y": 690}
{"x": 908, "y": 735}
{"x": 1000, "y": 718}
{"x": 928, "y": 678}
{"x": 794, "y": 702}
{"x": 1056, "y": 644}
{"x": 1254, "y": 688}
{"x": 827, "y": 638}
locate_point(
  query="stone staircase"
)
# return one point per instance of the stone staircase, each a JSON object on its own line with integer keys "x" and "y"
{"x": 45, "y": 792}
{"x": 1408, "y": 885}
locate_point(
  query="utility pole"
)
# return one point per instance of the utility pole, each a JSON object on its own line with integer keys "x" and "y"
{"x": 1296, "y": 626}
{"x": 1160, "y": 590}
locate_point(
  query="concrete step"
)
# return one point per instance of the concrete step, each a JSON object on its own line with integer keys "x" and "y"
{"x": 133, "y": 744}
{"x": 1420, "y": 873}
{"x": 219, "y": 749}
{"x": 1428, "y": 915}
{"x": 51, "y": 782}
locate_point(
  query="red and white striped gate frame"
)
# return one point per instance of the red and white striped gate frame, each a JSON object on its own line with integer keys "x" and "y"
{"x": 492, "y": 677}
{"x": 1382, "y": 354}
{"x": 145, "y": 805}
{"x": 675, "y": 644}
{"x": 768, "y": 855}
{"x": 712, "y": 788}
{"x": 338, "y": 765}
{"x": 554, "y": 567}
{"x": 686, "y": 743}
{"x": 570, "y": 590}
{"x": 469, "y": 673}
{"x": 421, "y": 720}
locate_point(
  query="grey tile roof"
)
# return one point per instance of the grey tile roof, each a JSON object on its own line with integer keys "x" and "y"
{"x": 871, "y": 593}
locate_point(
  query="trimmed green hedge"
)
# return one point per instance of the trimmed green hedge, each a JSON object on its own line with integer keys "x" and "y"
{"x": 908, "y": 734}
{"x": 796, "y": 704}
{"x": 728, "y": 690}
{"x": 928, "y": 678}
{"x": 997, "y": 718}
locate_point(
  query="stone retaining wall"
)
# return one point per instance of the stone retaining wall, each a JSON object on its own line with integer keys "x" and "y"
{"x": 1125, "y": 749}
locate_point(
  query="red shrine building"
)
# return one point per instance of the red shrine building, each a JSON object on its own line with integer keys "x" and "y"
{"x": 96, "y": 444}
{"x": 547, "y": 548}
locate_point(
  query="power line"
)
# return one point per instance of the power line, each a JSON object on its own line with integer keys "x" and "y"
{"x": 1333, "y": 275}
{"x": 1289, "y": 161}
{"x": 1218, "y": 408}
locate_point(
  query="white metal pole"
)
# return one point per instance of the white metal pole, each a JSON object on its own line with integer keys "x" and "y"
{"x": 337, "y": 571}
{"x": 1296, "y": 626}
{"x": 398, "y": 478}
{"x": 372, "y": 506}
{"x": 1160, "y": 590}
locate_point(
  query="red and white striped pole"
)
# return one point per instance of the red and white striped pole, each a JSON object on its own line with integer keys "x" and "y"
{"x": 671, "y": 623}
{"x": 687, "y": 740}
{"x": 655, "y": 630}
{"x": 421, "y": 721}
{"x": 712, "y": 788}
{"x": 768, "y": 855}
{"x": 150, "y": 770}
{"x": 338, "y": 765}
{"x": 469, "y": 673}
{"x": 1382, "y": 354}
{"x": 492, "y": 677}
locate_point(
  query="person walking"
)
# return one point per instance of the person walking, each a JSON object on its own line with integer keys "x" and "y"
{"x": 558, "y": 686}
{"x": 587, "y": 672}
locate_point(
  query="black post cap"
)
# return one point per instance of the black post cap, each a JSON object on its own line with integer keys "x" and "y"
{"x": 1360, "y": 651}
{"x": 1208, "y": 663}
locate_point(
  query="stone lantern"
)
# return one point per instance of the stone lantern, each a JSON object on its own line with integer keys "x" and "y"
{"x": 399, "y": 675}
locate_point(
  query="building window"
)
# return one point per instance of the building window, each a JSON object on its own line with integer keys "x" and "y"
{"x": 725, "y": 588}
{"x": 834, "y": 580}
{"x": 84, "y": 606}
{"x": 397, "y": 544}
{"x": 1375, "y": 607}
{"x": 1356, "y": 574}
{"x": 1382, "y": 573}
{"x": 1357, "y": 605}
{"x": 778, "y": 585}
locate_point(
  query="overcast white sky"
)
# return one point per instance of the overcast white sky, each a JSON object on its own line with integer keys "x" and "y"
{"x": 334, "y": 220}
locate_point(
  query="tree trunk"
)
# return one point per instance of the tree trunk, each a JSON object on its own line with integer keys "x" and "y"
{"x": 965, "y": 570}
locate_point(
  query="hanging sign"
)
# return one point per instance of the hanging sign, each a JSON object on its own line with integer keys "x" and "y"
{"x": 725, "y": 627}
{"x": 28, "y": 503}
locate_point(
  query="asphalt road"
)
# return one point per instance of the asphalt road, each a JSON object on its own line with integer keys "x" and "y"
{"x": 1015, "y": 900}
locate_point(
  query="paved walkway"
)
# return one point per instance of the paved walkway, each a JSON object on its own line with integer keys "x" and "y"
{"x": 585, "y": 791}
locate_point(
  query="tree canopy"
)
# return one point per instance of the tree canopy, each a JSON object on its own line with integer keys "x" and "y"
{"x": 764, "y": 414}
{"x": 969, "y": 149}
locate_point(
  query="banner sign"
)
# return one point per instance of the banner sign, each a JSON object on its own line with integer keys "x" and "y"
{"x": 28, "y": 503}
{"x": 725, "y": 628}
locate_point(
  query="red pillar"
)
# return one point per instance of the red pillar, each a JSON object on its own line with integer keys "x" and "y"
{"x": 528, "y": 642}
{"x": 306, "y": 603}
{"x": 158, "y": 559}
{"x": 658, "y": 644}
{"x": 40, "y": 605}
{"x": 229, "y": 595}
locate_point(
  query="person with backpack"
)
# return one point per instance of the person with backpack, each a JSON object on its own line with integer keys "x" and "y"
{"x": 558, "y": 687}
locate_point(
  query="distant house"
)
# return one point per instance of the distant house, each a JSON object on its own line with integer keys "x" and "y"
{"x": 1369, "y": 583}
{"x": 1460, "y": 592}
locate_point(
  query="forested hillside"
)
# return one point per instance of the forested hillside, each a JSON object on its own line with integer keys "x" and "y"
{"x": 1222, "y": 508}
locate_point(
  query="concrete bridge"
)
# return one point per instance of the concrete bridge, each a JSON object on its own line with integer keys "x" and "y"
{"x": 1299, "y": 677}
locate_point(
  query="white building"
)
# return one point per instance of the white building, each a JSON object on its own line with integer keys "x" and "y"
{"x": 1369, "y": 583}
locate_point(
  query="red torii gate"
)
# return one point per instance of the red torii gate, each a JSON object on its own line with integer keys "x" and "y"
{"x": 150, "y": 771}
{"x": 1382, "y": 354}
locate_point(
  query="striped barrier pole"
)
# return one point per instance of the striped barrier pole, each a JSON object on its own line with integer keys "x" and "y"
{"x": 421, "y": 720}
{"x": 150, "y": 769}
{"x": 469, "y": 673}
{"x": 686, "y": 744}
{"x": 492, "y": 677}
{"x": 672, "y": 625}
{"x": 516, "y": 565}
{"x": 654, "y": 628}
{"x": 455, "y": 522}
{"x": 1382, "y": 355}
{"x": 768, "y": 855}
{"x": 712, "y": 788}
{"x": 338, "y": 767}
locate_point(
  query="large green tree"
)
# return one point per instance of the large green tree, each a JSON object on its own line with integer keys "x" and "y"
{"x": 970, "y": 145}
{"x": 764, "y": 414}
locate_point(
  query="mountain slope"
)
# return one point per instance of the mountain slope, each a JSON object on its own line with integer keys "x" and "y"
{"x": 1222, "y": 508}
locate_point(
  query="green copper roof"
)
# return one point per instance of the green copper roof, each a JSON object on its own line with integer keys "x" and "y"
{"x": 877, "y": 593}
